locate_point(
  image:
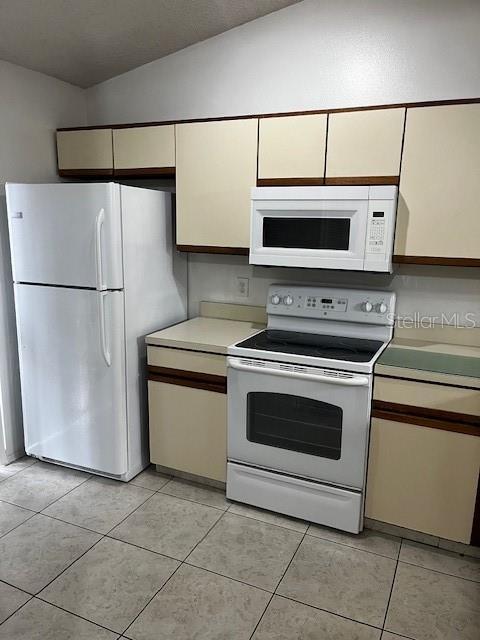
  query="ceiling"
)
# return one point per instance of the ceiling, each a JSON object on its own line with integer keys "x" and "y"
{"x": 87, "y": 41}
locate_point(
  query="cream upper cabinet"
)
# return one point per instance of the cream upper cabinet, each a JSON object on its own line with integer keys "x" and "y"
{"x": 144, "y": 147}
{"x": 216, "y": 165}
{"x": 423, "y": 479}
{"x": 88, "y": 149}
{"x": 292, "y": 147}
{"x": 365, "y": 143}
{"x": 439, "y": 211}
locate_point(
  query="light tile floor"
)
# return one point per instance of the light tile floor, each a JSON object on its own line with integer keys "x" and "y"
{"x": 84, "y": 558}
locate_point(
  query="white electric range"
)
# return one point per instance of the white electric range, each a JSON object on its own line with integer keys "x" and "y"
{"x": 299, "y": 402}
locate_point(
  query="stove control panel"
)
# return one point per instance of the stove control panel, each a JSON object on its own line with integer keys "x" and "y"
{"x": 335, "y": 304}
{"x": 322, "y": 303}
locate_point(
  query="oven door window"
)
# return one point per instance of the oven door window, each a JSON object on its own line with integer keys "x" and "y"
{"x": 295, "y": 423}
{"x": 323, "y": 233}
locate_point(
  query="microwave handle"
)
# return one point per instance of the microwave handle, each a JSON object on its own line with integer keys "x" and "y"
{"x": 356, "y": 381}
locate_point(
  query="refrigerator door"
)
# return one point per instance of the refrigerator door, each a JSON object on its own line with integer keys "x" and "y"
{"x": 66, "y": 234}
{"x": 72, "y": 367}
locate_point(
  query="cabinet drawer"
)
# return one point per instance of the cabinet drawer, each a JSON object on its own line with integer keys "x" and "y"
{"x": 427, "y": 395}
{"x": 196, "y": 361}
{"x": 365, "y": 143}
{"x": 144, "y": 148}
{"x": 423, "y": 479}
{"x": 86, "y": 150}
{"x": 292, "y": 147}
{"x": 188, "y": 429}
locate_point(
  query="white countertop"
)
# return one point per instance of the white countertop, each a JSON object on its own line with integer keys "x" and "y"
{"x": 213, "y": 335}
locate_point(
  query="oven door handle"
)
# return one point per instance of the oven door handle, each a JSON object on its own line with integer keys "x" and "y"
{"x": 354, "y": 381}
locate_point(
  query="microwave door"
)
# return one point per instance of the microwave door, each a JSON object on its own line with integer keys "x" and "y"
{"x": 327, "y": 235}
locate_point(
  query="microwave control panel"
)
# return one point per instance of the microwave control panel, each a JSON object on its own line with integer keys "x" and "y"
{"x": 376, "y": 232}
{"x": 379, "y": 238}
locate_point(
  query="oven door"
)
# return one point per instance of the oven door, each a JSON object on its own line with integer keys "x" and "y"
{"x": 309, "y": 233}
{"x": 303, "y": 421}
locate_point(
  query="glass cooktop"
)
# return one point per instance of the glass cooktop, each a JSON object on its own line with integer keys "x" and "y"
{"x": 314, "y": 345}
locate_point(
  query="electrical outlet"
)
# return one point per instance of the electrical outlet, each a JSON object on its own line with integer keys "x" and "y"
{"x": 242, "y": 287}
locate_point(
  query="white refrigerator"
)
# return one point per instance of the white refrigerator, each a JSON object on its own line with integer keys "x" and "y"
{"x": 95, "y": 269}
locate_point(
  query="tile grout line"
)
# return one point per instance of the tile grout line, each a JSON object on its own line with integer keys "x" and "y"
{"x": 221, "y": 575}
{"x": 442, "y": 573}
{"x": 17, "y": 610}
{"x": 349, "y": 546}
{"x": 391, "y": 589}
{"x": 18, "y": 525}
{"x": 207, "y": 487}
{"x": 68, "y": 566}
{"x": 332, "y": 613}
{"x": 76, "y": 615}
{"x": 36, "y": 513}
{"x": 278, "y": 584}
{"x": 181, "y": 563}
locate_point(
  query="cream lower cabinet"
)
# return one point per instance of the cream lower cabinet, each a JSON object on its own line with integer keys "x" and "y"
{"x": 188, "y": 411}
{"x": 423, "y": 479}
{"x": 216, "y": 166}
{"x": 438, "y": 208}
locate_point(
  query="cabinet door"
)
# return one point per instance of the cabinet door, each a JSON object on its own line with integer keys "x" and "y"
{"x": 292, "y": 147}
{"x": 423, "y": 479}
{"x": 216, "y": 164}
{"x": 144, "y": 148}
{"x": 88, "y": 150}
{"x": 188, "y": 429}
{"x": 438, "y": 210}
{"x": 365, "y": 144}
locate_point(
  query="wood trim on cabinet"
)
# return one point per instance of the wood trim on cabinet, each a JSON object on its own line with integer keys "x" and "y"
{"x": 437, "y": 261}
{"x": 427, "y": 412}
{"x": 145, "y": 172}
{"x": 85, "y": 173}
{"x": 234, "y": 251}
{"x": 475, "y": 538}
{"x": 193, "y": 379}
{"x": 424, "y": 417}
{"x": 290, "y": 182}
{"x": 407, "y": 105}
{"x": 362, "y": 180}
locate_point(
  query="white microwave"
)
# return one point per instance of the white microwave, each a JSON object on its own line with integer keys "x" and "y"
{"x": 329, "y": 227}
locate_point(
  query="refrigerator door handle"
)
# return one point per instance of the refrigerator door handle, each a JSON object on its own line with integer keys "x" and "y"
{"x": 104, "y": 342}
{"x": 98, "y": 246}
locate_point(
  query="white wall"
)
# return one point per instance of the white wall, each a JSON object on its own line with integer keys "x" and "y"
{"x": 315, "y": 54}
{"x": 32, "y": 106}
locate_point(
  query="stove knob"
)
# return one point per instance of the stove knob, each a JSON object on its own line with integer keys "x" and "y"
{"x": 275, "y": 299}
{"x": 381, "y": 307}
{"x": 288, "y": 300}
{"x": 367, "y": 306}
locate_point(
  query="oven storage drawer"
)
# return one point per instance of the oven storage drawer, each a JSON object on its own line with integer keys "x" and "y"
{"x": 319, "y": 503}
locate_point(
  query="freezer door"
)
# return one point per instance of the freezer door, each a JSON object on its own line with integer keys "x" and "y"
{"x": 72, "y": 367}
{"x": 66, "y": 234}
